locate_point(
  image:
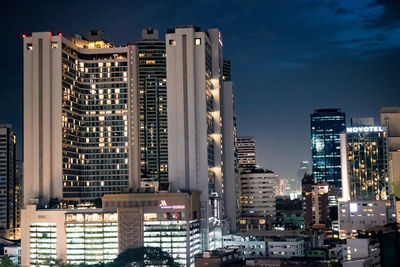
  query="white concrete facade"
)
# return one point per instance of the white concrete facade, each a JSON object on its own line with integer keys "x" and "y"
{"x": 56, "y": 245}
{"x": 42, "y": 117}
{"x": 390, "y": 118}
{"x": 194, "y": 84}
{"x": 231, "y": 202}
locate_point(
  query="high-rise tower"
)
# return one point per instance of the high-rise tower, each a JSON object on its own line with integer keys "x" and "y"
{"x": 326, "y": 125}
{"x": 152, "y": 77}
{"x": 8, "y": 214}
{"x": 365, "y": 164}
{"x": 196, "y": 120}
{"x": 80, "y": 117}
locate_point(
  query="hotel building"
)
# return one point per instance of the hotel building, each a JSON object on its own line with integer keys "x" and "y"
{"x": 365, "y": 163}
{"x": 367, "y": 198}
{"x": 80, "y": 117}
{"x": 196, "y": 116}
{"x": 166, "y": 220}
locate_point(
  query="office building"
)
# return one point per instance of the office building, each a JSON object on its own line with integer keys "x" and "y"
{"x": 315, "y": 203}
{"x": 8, "y": 204}
{"x": 196, "y": 118}
{"x": 246, "y": 148}
{"x": 326, "y": 125}
{"x": 358, "y": 215}
{"x": 390, "y": 118}
{"x": 152, "y": 78}
{"x": 364, "y": 164}
{"x": 257, "y": 198}
{"x": 81, "y": 137}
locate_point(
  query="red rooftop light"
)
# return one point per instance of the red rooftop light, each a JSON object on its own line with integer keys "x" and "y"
{"x": 59, "y": 34}
{"x": 24, "y": 36}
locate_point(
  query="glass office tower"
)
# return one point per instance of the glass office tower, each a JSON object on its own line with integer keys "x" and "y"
{"x": 326, "y": 125}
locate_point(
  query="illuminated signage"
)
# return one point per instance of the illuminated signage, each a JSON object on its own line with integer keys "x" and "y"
{"x": 353, "y": 207}
{"x": 220, "y": 38}
{"x": 365, "y": 129}
{"x": 164, "y": 205}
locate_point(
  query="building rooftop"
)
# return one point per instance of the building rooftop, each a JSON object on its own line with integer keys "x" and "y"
{"x": 326, "y": 110}
{"x": 256, "y": 170}
{"x": 273, "y": 233}
{"x": 217, "y": 253}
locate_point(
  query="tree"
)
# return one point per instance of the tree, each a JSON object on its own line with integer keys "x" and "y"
{"x": 144, "y": 256}
{"x": 6, "y": 262}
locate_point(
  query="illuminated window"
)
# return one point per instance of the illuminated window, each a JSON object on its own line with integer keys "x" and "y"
{"x": 54, "y": 45}
{"x": 150, "y": 216}
{"x": 29, "y": 46}
{"x": 197, "y": 41}
{"x": 172, "y": 42}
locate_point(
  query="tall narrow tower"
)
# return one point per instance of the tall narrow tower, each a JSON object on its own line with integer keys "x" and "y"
{"x": 195, "y": 121}
{"x": 326, "y": 126}
{"x": 8, "y": 181}
{"x": 153, "y": 107}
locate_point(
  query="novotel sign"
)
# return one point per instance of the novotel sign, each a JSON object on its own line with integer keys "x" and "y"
{"x": 164, "y": 205}
{"x": 365, "y": 129}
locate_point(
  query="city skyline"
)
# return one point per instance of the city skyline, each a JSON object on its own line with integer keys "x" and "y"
{"x": 283, "y": 57}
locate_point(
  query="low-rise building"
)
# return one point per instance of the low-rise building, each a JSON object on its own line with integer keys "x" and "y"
{"x": 271, "y": 243}
{"x": 357, "y": 216}
{"x": 248, "y": 246}
{"x": 75, "y": 236}
{"x": 285, "y": 247}
{"x": 362, "y": 252}
{"x": 11, "y": 249}
{"x": 219, "y": 258}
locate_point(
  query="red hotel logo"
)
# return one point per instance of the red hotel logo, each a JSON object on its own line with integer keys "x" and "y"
{"x": 163, "y": 203}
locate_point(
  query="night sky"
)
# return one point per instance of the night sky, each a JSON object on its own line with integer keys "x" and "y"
{"x": 288, "y": 57}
